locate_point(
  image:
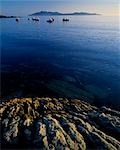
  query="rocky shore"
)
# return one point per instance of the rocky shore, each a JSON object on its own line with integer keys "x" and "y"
{"x": 58, "y": 124}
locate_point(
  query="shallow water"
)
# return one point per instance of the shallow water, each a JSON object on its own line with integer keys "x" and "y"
{"x": 76, "y": 59}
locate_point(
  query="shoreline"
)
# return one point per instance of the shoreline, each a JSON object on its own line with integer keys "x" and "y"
{"x": 91, "y": 102}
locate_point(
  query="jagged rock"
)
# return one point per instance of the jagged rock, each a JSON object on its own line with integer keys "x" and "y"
{"x": 62, "y": 124}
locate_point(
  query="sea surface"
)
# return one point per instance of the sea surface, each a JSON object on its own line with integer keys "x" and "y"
{"x": 75, "y": 59}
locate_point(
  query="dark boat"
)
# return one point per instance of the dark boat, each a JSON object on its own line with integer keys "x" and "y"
{"x": 65, "y": 19}
{"x": 17, "y": 19}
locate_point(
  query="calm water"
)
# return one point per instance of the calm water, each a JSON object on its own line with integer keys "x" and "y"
{"x": 77, "y": 59}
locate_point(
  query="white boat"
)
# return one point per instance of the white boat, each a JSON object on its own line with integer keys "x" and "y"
{"x": 50, "y": 20}
{"x": 36, "y": 19}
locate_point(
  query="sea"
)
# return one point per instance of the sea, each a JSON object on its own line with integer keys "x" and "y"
{"x": 79, "y": 59}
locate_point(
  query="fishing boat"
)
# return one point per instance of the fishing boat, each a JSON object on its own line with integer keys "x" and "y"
{"x": 36, "y": 19}
{"x": 50, "y": 20}
{"x": 65, "y": 19}
{"x": 17, "y": 19}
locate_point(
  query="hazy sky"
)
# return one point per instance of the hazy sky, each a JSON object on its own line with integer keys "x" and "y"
{"x": 25, "y": 7}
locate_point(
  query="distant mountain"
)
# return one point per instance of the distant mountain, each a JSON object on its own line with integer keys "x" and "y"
{"x": 48, "y": 13}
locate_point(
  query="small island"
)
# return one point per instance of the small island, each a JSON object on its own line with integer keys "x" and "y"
{"x": 49, "y": 13}
{"x": 4, "y": 16}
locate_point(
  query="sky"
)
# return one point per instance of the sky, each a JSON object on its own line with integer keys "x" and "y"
{"x": 26, "y": 7}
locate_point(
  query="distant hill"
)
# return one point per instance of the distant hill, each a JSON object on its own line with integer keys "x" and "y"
{"x": 48, "y": 13}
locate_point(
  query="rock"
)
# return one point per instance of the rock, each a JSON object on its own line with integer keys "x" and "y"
{"x": 62, "y": 124}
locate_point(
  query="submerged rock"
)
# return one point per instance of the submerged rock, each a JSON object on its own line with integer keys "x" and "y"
{"x": 62, "y": 124}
